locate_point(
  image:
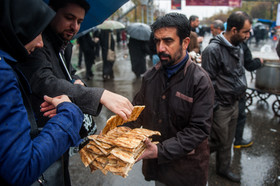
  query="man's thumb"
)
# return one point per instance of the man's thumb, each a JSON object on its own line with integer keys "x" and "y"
{"x": 48, "y": 99}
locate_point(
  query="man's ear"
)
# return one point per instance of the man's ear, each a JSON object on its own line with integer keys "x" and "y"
{"x": 233, "y": 30}
{"x": 185, "y": 43}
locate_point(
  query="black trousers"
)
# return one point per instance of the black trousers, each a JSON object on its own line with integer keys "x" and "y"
{"x": 241, "y": 121}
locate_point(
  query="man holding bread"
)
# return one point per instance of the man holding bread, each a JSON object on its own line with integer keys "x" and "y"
{"x": 178, "y": 96}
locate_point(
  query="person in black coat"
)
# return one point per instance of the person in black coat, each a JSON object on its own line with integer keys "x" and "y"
{"x": 96, "y": 38}
{"x": 87, "y": 47}
{"x": 250, "y": 64}
{"x": 138, "y": 50}
{"x": 108, "y": 72}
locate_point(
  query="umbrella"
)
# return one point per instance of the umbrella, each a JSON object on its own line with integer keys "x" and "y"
{"x": 140, "y": 31}
{"x": 99, "y": 11}
{"x": 111, "y": 25}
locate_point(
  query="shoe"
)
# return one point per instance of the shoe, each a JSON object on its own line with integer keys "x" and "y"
{"x": 230, "y": 176}
{"x": 242, "y": 144}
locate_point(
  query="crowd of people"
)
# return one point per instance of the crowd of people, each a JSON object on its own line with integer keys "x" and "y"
{"x": 197, "y": 109}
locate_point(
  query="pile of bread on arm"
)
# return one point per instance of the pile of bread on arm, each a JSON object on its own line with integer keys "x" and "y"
{"x": 116, "y": 149}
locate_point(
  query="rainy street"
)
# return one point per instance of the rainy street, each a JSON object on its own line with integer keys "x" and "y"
{"x": 258, "y": 165}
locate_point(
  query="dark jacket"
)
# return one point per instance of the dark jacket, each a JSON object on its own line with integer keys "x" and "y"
{"x": 225, "y": 66}
{"x": 47, "y": 76}
{"x": 181, "y": 109}
{"x": 23, "y": 158}
{"x": 87, "y": 45}
{"x": 250, "y": 63}
{"x": 138, "y": 50}
{"x": 104, "y": 43}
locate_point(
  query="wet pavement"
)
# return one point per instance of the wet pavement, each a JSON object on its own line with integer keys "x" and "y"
{"x": 258, "y": 165}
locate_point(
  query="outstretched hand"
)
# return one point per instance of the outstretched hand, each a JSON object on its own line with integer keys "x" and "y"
{"x": 50, "y": 104}
{"x": 117, "y": 104}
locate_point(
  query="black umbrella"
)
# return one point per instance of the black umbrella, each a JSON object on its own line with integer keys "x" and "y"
{"x": 140, "y": 31}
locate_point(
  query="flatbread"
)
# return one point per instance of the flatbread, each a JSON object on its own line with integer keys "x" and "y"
{"x": 118, "y": 131}
{"x": 123, "y": 155}
{"x": 99, "y": 166}
{"x": 116, "y": 120}
{"x": 145, "y": 132}
{"x": 118, "y": 148}
{"x": 92, "y": 168}
{"x": 86, "y": 157}
{"x": 92, "y": 148}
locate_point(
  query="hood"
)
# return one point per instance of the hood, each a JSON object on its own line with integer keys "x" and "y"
{"x": 21, "y": 21}
{"x": 221, "y": 40}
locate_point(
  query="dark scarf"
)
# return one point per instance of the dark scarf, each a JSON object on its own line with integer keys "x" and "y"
{"x": 171, "y": 70}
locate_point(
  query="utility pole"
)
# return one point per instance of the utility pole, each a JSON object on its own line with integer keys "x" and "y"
{"x": 143, "y": 4}
{"x": 150, "y": 12}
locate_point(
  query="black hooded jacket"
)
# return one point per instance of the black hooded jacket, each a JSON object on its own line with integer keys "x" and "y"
{"x": 16, "y": 18}
{"x": 225, "y": 66}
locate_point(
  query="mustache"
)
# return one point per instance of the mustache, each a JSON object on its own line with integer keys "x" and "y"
{"x": 71, "y": 31}
{"x": 162, "y": 54}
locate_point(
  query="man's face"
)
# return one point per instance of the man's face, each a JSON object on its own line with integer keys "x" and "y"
{"x": 35, "y": 43}
{"x": 169, "y": 49}
{"x": 242, "y": 34}
{"x": 67, "y": 21}
{"x": 215, "y": 31}
{"x": 195, "y": 23}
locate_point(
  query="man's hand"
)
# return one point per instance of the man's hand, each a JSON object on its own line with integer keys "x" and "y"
{"x": 50, "y": 104}
{"x": 78, "y": 82}
{"x": 150, "y": 152}
{"x": 117, "y": 104}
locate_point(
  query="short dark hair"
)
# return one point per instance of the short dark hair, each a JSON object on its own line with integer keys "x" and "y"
{"x": 175, "y": 20}
{"x": 237, "y": 19}
{"x": 218, "y": 24}
{"x": 193, "y": 18}
{"x": 57, "y": 4}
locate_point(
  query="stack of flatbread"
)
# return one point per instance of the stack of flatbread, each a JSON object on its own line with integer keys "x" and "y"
{"x": 116, "y": 120}
{"x": 117, "y": 148}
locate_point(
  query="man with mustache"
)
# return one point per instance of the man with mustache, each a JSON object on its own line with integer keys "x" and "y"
{"x": 223, "y": 59}
{"x": 47, "y": 71}
{"x": 179, "y": 98}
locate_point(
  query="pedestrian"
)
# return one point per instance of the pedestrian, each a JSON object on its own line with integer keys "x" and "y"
{"x": 25, "y": 152}
{"x": 194, "y": 45}
{"x": 138, "y": 50}
{"x": 96, "y": 39}
{"x": 196, "y": 40}
{"x": 87, "y": 46}
{"x": 80, "y": 55}
{"x": 118, "y": 34}
{"x": 53, "y": 74}
{"x": 106, "y": 44}
{"x": 250, "y": 64}
{"x": 124, "y": 38}
{"x": 217, "y": 27}
{"x": 179, "y": 99}
{"x": 223, "y": 59}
